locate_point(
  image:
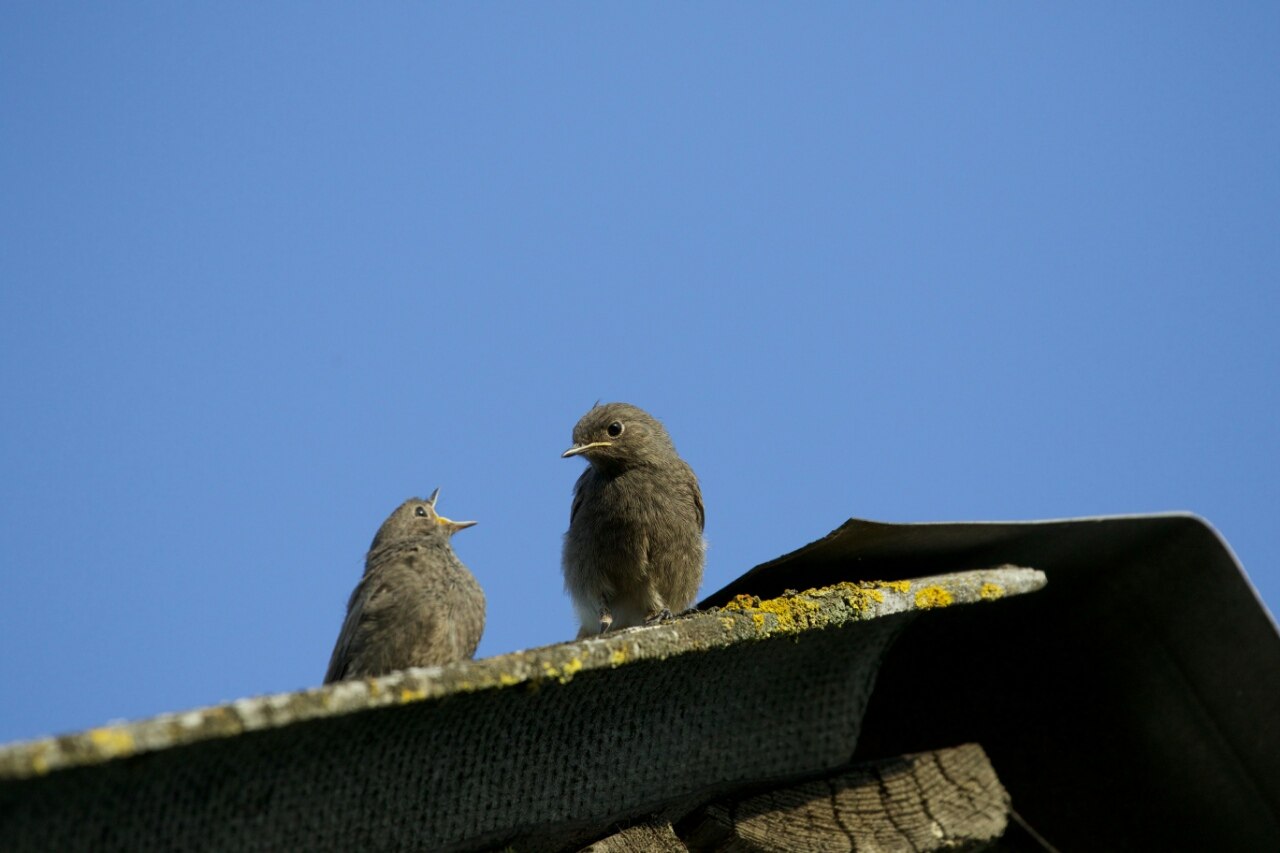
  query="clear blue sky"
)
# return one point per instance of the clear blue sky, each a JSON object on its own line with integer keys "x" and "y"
{"x": 269, "y": 271}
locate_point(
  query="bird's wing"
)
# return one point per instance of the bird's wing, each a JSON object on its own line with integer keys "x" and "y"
{"x": 578, "y": 489}
{"x": 352, "y": 637}
{"x": 697, "y": 500}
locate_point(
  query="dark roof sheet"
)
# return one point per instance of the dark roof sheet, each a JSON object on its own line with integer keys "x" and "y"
{"x": 1134, "y": 704}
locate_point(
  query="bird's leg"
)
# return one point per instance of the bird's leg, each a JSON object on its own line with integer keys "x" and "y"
{"x": 606, "y": 617}
{"x": 656, "y": 608}
{"x": 661, "y": 616}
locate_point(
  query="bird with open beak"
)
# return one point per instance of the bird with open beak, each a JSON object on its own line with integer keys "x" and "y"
{"x": 416, "y": 605}
{"x": 634, "y": 550}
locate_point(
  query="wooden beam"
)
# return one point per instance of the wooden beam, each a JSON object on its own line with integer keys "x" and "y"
{"x": 949, "y": 799}
{"x": 655, "y": 836}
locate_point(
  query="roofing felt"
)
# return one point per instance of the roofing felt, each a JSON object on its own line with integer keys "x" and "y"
{"x": 539, "y": 748}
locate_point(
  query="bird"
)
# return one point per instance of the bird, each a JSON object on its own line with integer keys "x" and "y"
{"x": 416, "y": 604}
{"x": 634, "y": 551}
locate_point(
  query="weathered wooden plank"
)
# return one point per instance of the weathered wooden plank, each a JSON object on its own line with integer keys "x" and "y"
{"x": 652, "y": 837}
{"x": 947, "y": 799}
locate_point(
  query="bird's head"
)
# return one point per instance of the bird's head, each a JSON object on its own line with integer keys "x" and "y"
{"x": 619, "y": 435}
{"x": 416, "y": 518}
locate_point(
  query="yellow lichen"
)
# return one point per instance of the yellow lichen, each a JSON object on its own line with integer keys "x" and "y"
{"x": 563, "y": 674}
{"x": 860, "y": 598}
{"x": 112, "y": 741}
{"x": 991, "y": 591}
{"x": 896, "y": 586}
{"x": 741, "y": 604}
{"x": 410, "y": 694}
{"x": 792, "y": 612}
{"x": 618, "y": 657}
{"x": 507, "y": 679}
{"x": 40, "y": 761}
{"x": 932, "y": 596}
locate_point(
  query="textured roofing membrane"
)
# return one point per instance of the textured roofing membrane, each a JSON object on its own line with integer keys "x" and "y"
{"x": 534, "y": 748}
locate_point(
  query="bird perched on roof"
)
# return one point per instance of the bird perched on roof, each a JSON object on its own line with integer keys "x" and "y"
{"x": 634, "y": 550}
{"x": 416, "y": 605}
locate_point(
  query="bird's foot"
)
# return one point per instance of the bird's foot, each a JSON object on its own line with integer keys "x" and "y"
{"x": 606, "y": 619}
{"x": 662, "y": 615}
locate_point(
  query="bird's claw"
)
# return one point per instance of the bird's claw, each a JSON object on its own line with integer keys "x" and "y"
{"x": 606, "y": 619}
{"x": 661, "y": 616}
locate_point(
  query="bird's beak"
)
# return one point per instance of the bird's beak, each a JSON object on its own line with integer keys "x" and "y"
{"x": 447, "y": 523}
{"x": 583, "y": 448}
{"x": 453, "y": 526}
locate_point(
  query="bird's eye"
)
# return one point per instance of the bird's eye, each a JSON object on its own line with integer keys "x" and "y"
{"x": 420, "y": 511}
{"x": 615, "y": 429}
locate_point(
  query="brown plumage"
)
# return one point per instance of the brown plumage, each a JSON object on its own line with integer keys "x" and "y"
{"x": 417, "y": 604}
{"x": 634, "y": 550}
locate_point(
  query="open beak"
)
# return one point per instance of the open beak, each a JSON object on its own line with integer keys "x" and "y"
{"x": 583, "y": 448}
{"x": 453, "y": 526}
{"x": 448, "y": 524}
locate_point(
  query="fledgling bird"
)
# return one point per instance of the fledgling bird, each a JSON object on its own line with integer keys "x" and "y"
{"x": 634, "y": 550}
{"x": 416, "y": 605}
